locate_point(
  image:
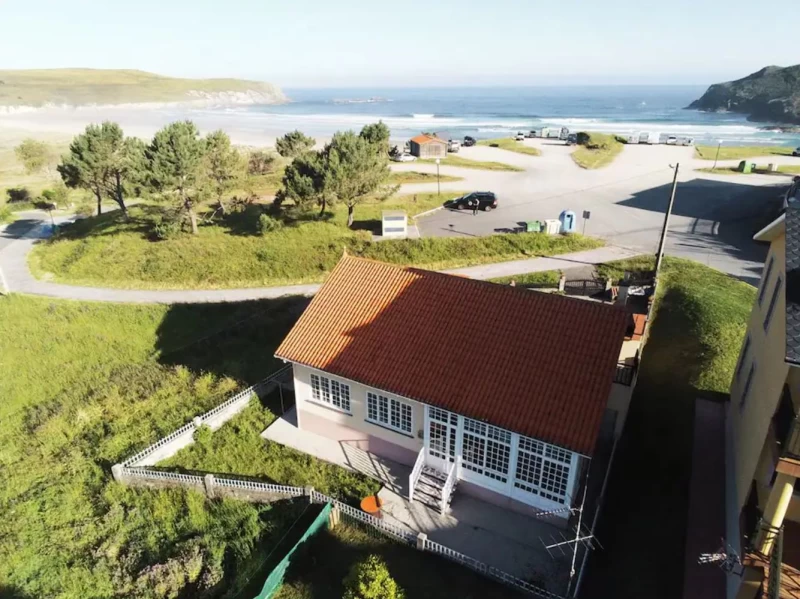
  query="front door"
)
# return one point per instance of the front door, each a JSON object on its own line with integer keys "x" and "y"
{"x": 440, "y": 438}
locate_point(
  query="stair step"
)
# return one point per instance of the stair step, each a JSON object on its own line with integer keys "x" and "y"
{"x": 434, "y": 473}
{"x": 429, "y": 490}
{"x": 431, "y": 481}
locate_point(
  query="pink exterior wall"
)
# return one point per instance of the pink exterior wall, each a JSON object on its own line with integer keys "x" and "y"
{"x": 344, "y": 434}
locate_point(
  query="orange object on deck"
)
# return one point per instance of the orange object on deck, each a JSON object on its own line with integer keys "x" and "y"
{"x": 372, "y": 505}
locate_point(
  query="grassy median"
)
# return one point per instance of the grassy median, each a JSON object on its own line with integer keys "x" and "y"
{"x": 599, "y": 150}
{"x": 740, "y": 152}
{"x": 511, "y": 144}
{"x": 453, "y": 160}
{"x": 786, "y": 169}
{"x": 111, "y": 251}
{"x": 405, "y": 177}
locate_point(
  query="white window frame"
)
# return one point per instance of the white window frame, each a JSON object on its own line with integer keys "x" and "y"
{"x": 772, "y": 303}
{"x": 385, "y": 409}
{"x": 765, "y": 282}
{"x": 748, "y": 384}
{"x": 743, "y": 357}
{"x": 331, "y": 393}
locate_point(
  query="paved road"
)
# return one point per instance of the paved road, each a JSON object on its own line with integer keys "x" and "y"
{"x": 713, "y": 221}
{"x": 14, "y": 266}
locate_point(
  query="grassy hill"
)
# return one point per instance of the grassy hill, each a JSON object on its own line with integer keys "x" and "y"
{"x": 97, "y": 86}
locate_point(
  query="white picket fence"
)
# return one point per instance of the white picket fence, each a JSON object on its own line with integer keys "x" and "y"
{"x": 239, "y": 400}
{"x": 398, "y": 533}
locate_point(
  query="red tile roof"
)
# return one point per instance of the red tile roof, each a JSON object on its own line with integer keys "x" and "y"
{"x": 424, "y": 139}
{"x": 538, "y": 364}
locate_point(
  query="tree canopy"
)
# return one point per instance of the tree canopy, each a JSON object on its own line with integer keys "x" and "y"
{"x": 377, "y": 134}
{"x": 294, "y": 144}
{"x": 224, "y": 167}
{"x": 35, "y": 156}
{"x": 355, "y": 170}
{"x": 370, "y": 579}
{"x": 175, "y": 159}
{"x": 306, "y": 182}
{"x": 104, "y": 162}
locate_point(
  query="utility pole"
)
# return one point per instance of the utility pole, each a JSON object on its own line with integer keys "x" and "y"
{"x": 662, "y": 242}
{"x": 438, "y": 184}
{"x": 719, "y": 145}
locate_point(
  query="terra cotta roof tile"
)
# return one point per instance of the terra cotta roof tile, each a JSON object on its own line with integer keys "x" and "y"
{"x": 538, "y": 364}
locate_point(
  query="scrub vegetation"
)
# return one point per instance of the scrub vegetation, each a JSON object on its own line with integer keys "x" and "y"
{"x": 698, "y": 324}
{"x": 459, "y": 161}
{"x": 740, "y": 152}
{"x": 510, "y": 144}
{"x": 596, "y": 150}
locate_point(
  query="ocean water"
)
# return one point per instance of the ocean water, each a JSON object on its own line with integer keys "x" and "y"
{"x": 453, "y": 112}
{"x": 494, "y": 112}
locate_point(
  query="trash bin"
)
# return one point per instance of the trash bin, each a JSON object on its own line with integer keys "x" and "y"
{"x": 552, "y": 226}
{"x": 745, "y": 167}
{"x": 533, "y": 226}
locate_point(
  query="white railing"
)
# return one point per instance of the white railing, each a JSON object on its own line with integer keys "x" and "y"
{"x": 398, "y": 532}
{"x": 243, "y": 397}
{"x": 414, "y": 476}
{"x": 159, "y": 475}
{"x": 394, "y": 531}
{"x": 250, "y": 485}
{"x": 449, "y": 485}
{"x": 487, "y": 570}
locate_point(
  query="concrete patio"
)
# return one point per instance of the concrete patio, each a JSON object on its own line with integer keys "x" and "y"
{"x": 496, "y": 536}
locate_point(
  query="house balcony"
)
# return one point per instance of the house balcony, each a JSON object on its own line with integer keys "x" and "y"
{"x": 776, "y": 575}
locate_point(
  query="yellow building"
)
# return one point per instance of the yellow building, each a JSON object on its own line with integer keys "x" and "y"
{"x": 763, "y": 448}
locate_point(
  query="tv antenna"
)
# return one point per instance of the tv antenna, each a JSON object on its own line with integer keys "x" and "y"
{"x": 726, "y": 557}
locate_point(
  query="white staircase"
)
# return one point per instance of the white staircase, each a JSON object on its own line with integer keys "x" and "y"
{"x": 431, "y": 487}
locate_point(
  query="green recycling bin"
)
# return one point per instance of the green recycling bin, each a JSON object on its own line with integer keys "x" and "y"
{"x": 533, "y": 226}
{"x": 745, "y": 167}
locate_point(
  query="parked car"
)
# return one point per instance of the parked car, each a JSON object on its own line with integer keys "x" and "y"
{"x": 520, "y": 136}
{"x": 796, "y": 152}
{"x": 404, "y": 158}
{"x": 468, "y": 141}
{"x": 672, "y": 140}
{"x": 453, "y": 145}
{"x": 530, "y": 134}
{"x": 487, "y": 201}
{"x": 572, "y": 139}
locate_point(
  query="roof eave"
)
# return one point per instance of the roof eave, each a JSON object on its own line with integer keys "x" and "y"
{"x": 773, "y": 230}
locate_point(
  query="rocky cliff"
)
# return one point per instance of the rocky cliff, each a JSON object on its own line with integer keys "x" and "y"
{"x": 769, "y": 95}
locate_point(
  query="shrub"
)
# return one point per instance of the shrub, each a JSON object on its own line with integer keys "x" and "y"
{"x": 583, "y": 138}
{"x": 85, "y": 210}
{"x": 6, "y": 215}
{"x": 58, "y": 195}
{"x": 18, "y": 194}
{"x": 370, "y": 579}
{"x": 268, "y": 224}
{"x": 166, "y": 227}
{"x": 261, "y": 162}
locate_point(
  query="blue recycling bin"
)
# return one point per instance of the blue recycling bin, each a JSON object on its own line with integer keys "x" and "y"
{"x": 568, "y": 221}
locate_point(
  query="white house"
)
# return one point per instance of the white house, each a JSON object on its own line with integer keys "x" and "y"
{"x": 499, "y": 388}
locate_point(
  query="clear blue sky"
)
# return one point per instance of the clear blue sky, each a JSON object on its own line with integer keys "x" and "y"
{"x": 406, "y": 42}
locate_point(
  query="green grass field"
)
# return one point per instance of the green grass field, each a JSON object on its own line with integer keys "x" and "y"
{"x": 533, "y": 279}
{"x": 740, "y": 152}
{"x": 787, "y": 169}
{"x": 404, "y": 177}
{"x": 453, "y": 160}
{"x": 320, "y": 567}
{"x": 697, "y": 329}
{"x": 510, "y": 144}
{"x": 588, "y": 158}
{"x": 85, "y": 385}
{"x": 112, "y": 86}
{"x": 110, "y": 251}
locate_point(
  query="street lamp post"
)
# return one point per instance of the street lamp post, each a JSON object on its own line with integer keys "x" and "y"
{"x": 719, "y": 145}
{"x": 438, "y": 185}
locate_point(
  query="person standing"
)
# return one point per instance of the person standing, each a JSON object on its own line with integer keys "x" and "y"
{"x": 474, "y": 202}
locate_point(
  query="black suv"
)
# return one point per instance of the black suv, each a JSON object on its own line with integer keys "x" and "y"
{"x": 486, "y": 201}
{"x": 468, "y": 141}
